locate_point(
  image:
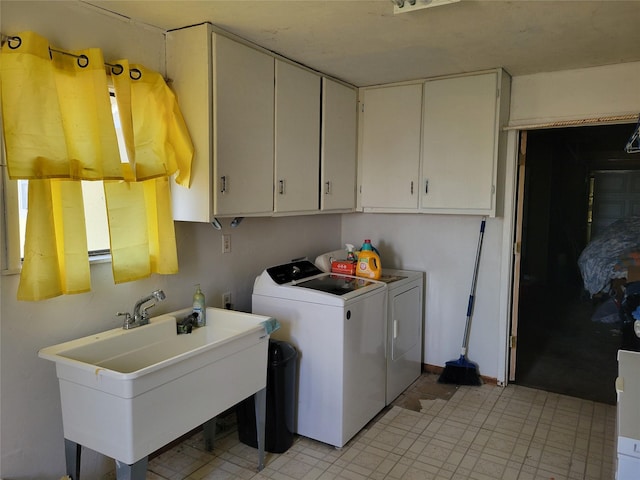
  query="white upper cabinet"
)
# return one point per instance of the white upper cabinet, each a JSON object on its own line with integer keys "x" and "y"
{"x": 434, "y": 150}
{"x": 297, "y": 139}
{"x": 460, "y": 144}
{"x": 389, "y": 156}
{"x": 243, "y": 129}
{"x": 225, "y": 92}
{"x": 274, "y": 138}
{"x": 338, "y": 152}
{"x": 255, "y": 121}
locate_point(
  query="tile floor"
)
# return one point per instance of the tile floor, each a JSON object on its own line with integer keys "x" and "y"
{"x": 432, "y": 431}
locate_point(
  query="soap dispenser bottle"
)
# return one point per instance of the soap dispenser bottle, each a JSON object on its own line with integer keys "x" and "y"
{"x": 199, "y": 307}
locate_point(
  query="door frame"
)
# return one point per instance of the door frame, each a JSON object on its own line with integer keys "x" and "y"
{"x": 509, "y": 321}
{"x": 508, "y": 214}
{"x": 517, "y": 255}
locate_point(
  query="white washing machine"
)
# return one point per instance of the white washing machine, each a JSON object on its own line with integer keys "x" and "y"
{"x": 337, "y": 324}
{"x": 405, "y": 307}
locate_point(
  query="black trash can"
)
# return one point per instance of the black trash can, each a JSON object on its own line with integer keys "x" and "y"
{"x": 281, "y": 402}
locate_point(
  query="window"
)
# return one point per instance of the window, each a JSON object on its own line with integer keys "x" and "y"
{"x": 95, "y": 214}
{"x": 94, "y": 204}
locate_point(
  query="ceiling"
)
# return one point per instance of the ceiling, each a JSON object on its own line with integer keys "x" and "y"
{"x": 362, "y": 42}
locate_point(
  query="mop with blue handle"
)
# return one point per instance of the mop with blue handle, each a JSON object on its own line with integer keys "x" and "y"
{"x": 463, "y": 371}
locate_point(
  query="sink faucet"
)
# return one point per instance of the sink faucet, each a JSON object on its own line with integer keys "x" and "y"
{"x": 140, "y": 315}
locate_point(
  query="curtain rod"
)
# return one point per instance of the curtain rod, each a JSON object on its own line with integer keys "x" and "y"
{"x": 81, "y": 60}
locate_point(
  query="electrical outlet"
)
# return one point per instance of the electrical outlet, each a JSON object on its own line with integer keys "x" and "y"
{"x": 226, "y": 242}
{"x": 226, "y": 300}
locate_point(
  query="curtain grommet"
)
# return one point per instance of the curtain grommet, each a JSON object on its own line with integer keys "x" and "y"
{"x": 135, "y": 74}
{"x": 82, "y": 59}
{"x": 14, "y": 39}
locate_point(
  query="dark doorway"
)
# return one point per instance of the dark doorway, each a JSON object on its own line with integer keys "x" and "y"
{"x": 560, "y": 348}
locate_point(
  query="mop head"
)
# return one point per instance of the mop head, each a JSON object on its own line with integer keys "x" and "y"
{"x": 460, "y": 372}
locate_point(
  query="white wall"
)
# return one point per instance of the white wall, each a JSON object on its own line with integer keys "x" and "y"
{"x": 79, "y": 26}
{"x": 443, "y": 246}
{"x": 31, "y": 434}
{"x": 575, "y": 94}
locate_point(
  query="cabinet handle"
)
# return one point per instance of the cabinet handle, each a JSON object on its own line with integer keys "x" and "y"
{"x": 281, "y": 187}
{"x": 327, "y": 188}
{"x": 411, "y": 187}
{"x": 223, "y": 184}
{"x": 426, "y": 186}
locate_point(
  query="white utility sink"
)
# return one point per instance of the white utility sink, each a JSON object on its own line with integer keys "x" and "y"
{"x": 127, "y": 393}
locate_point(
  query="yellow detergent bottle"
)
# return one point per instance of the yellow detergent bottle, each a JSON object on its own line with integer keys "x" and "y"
{"x": 368, "y": 262}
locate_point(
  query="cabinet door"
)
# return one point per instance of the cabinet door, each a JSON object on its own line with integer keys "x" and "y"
{"x": 297, "y": 139}
{"x": 243, "y": 129}
{"x": 338, "y": 152}
{"x": 390, "y": 149}
{"x": 460, "y": 144}
{"x": 189, "y": 66}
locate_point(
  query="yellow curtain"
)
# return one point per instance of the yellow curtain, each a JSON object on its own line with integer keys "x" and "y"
{"x": 33, "y": 133}
{"x": 55, "y": 250}
{"x": 57, "y": 113}
{"x": 141, "y": 229}
{"x": 87, "y": 120}
{"x": 149, "y": 114}
{"x": 56, "y": 117}
{"x": 59, "y": 128}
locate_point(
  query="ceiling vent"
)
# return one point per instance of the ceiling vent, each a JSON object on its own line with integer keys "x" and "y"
{"x": 402, "y": 6}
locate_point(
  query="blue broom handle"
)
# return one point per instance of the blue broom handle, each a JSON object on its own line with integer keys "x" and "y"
{"x": 465, "y": 339}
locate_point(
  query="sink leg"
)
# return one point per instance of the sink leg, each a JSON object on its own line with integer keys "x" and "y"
{"x": 137, "y": 471}
{"x": 72, "y": 452}
{"x": 260, "y": 398}
{"x": 209, "y": 431}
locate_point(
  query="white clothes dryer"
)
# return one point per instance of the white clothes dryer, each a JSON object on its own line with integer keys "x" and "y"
{"x": 337, "y": 324}
{"x": 404, "y": 324}
{"x": 405, "y": 309}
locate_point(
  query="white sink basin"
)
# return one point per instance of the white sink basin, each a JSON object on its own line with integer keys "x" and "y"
{"x": 126, "y": 393}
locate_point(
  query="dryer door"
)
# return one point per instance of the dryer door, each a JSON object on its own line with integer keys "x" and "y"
{"x": 405, "y": 326}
